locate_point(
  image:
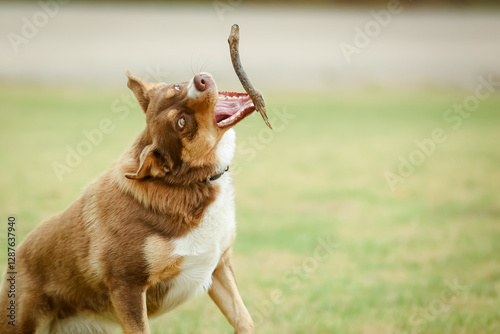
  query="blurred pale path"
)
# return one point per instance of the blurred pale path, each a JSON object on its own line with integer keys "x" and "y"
{"x": 281, "y": 48}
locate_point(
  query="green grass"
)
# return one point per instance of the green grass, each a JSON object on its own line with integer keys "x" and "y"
{"x": 319, "y": 176}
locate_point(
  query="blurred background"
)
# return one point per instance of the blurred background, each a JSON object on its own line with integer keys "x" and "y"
{"x": 298, "y": 46}
{"x": 373, "y": 206}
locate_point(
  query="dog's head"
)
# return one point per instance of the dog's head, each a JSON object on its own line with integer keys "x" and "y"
{"x": 184, "y": 123}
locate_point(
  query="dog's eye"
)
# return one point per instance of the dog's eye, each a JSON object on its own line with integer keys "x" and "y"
{"x": 181, "y": 122}
{"x": 177, "y": 87}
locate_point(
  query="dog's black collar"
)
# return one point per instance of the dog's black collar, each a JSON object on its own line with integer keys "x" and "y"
{"x": 216, "y": 176}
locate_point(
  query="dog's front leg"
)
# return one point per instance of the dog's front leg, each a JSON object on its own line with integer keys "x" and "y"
{"x": 224, "y": 293}
{"x": 129, "y": 303}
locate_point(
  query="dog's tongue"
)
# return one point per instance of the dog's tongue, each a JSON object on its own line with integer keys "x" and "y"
{"x": 232, "y": 108}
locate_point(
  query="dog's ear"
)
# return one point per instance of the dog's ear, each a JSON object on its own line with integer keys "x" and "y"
{"x": 140, "y": 89}
{"x": 151, "y": 164}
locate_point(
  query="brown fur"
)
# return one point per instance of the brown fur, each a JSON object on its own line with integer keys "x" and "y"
{"x": 100, "y": 255}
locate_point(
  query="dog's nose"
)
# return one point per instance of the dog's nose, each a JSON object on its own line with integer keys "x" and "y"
{"x": 202, "y": 81}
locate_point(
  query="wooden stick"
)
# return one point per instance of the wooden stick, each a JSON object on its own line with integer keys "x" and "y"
{"x": 255, "y": 95}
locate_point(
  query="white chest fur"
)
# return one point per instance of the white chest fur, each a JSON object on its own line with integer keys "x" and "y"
{"x": 202, "y": 247}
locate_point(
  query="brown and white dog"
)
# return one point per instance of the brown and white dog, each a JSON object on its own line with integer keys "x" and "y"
{"x": 151, "y": 232}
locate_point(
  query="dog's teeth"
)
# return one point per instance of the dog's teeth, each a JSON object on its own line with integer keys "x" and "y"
{"x": 231, "y": 97}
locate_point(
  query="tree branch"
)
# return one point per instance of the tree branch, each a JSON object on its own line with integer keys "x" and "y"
{"x": 255, "y": 95}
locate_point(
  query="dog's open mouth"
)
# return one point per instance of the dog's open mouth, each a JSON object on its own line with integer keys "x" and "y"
{"x": 232, "y": 108}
